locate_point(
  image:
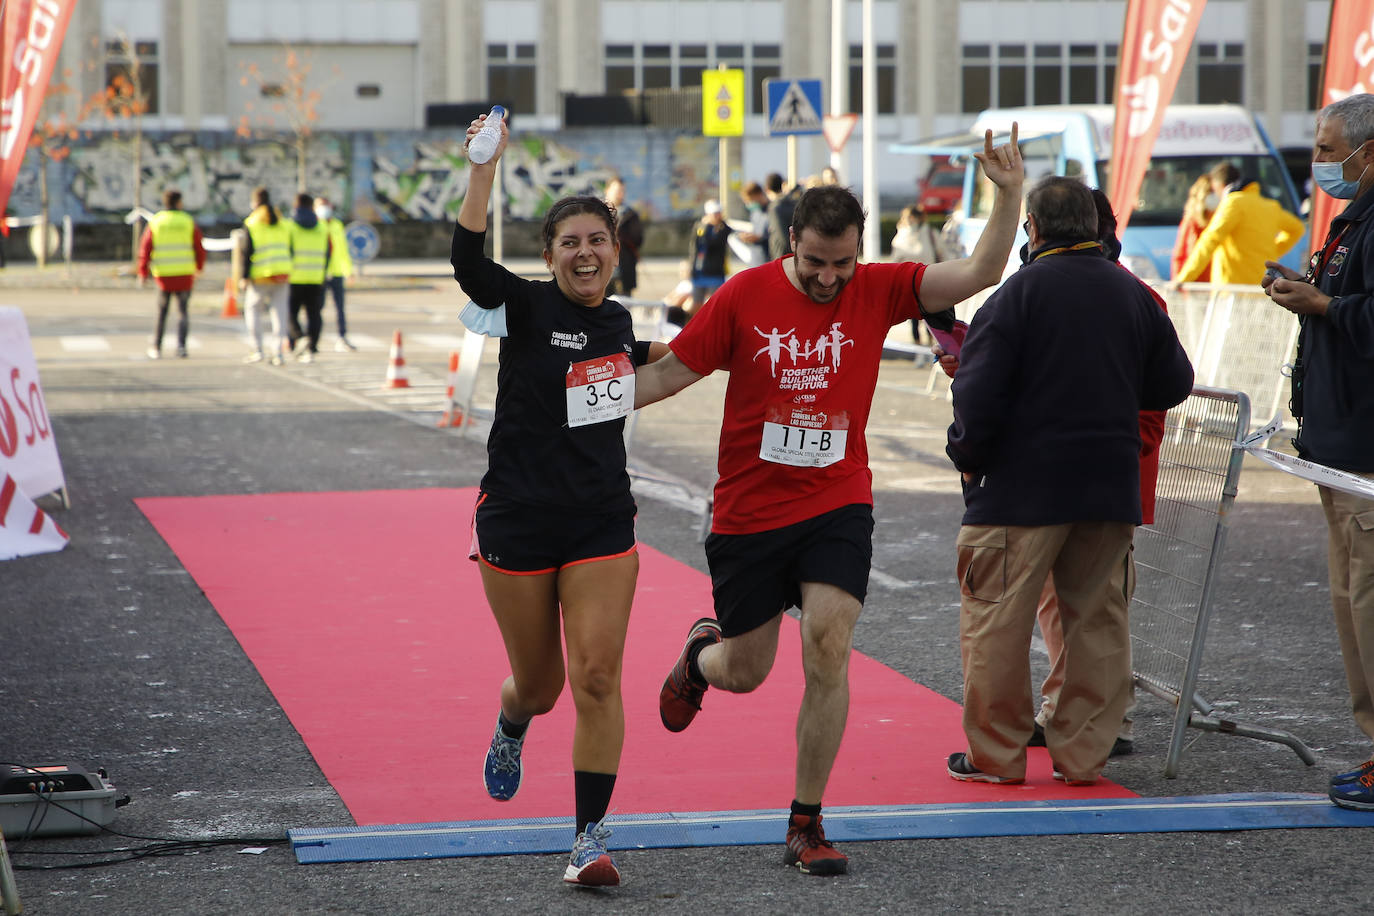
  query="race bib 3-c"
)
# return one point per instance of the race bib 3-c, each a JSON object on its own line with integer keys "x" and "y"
{"x": 600, "y": 389}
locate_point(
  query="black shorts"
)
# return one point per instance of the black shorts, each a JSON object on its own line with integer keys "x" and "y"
{"x": 755, "y": 577}
{"x": 523, "y": 539}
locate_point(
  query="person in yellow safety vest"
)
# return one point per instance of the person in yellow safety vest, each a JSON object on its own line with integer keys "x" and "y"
{"x": 339, "y": 269}
{"x": 266, "y": 266}
{"x": 309, "y": 254}
{"x": 173, "y": 251}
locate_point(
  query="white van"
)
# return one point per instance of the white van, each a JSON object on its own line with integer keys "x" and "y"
{"x": 1077, "y": 140}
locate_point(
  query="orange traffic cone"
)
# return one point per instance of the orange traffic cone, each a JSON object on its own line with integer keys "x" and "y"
{"x": 231, "y": 302}
{"x": 453, "y": 414}
{"x": 396, "y": 368}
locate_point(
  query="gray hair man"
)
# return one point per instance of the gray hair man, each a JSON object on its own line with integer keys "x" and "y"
{"x": 1333, "y": 395}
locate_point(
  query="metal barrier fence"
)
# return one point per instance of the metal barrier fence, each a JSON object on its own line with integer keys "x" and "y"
{"x": 1176, "y": 562}
{"x": 1236, "y": 338}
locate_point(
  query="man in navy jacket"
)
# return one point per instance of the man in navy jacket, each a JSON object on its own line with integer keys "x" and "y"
{"x": 1333, "y": 396}
{"x": 1056, "y": 367}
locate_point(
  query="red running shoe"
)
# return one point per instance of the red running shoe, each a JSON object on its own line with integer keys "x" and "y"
{"x": 680, "y": 699}
{"x": 809, "y": 850}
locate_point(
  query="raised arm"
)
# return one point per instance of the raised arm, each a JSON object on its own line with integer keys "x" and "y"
{"x": 950, "y": 282}
{"x": 662, "y": 378}
{"x": 473, "y": 213}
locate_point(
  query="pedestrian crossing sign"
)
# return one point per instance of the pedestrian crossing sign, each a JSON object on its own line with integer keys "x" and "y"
{"x": 794, "y": 107}
{"x": 722, "y": 103}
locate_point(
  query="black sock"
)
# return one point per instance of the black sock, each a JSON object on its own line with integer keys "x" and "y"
{"x": 510, "y": 729}
{"x": 693, "y": 660}
{"x": 593, "y": 794}
{"x": 807, "y": 810}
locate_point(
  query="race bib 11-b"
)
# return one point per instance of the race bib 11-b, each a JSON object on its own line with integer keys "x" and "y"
{"x": 804, "y": 436}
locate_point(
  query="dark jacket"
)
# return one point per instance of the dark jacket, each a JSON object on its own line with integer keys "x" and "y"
{"x": 780, "y": 223}
{"x": 1337, "y": 350}
{"x": 1055, "y": 369}
{"x": 630, "y": 233}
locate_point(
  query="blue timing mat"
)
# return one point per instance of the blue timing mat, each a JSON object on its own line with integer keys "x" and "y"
{"x": 752, "y": 828}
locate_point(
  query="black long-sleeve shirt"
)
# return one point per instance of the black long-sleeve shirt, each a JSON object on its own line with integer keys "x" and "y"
{"x": 534, "y": 456}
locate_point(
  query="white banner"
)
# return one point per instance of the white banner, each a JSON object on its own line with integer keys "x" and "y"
{"x": 25, "y": 529}
{"x": 28, "y": 450}
{"x": 1319, "y": 474}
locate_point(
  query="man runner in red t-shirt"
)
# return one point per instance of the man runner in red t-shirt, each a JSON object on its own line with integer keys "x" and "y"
{"x": 802, "y": 338}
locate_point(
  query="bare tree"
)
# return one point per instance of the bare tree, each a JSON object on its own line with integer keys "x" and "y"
{"x": 124, "y": 101}
{"x": 290, "y": 98}
{"x": 51, "y": 139}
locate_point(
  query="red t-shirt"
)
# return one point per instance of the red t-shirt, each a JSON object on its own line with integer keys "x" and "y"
{"x": 802, "y": 377}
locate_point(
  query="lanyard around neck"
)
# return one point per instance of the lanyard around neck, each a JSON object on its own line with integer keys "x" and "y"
{"x": 1081, "y": 246}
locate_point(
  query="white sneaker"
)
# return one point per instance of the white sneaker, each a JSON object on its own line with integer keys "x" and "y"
{"x": 255, "y": 357}
{"x": 343, "y": 345}
{"x": 154, "y": 353}
{"x": 305, "y": 357}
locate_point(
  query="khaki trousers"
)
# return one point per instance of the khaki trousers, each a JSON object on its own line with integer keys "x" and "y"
{"x": 1047, "y": 615}
{"x": 1002, "y": 571}
{"x": 1350, "y": 565}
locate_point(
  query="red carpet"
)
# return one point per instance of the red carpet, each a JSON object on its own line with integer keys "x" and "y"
{"x": 367, "y": 621}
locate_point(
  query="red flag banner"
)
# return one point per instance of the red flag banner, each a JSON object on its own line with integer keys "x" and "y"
{"x": 1347, "y": 70}
{"x": 30, "y": 39}
{"x": 1154, "y": 44}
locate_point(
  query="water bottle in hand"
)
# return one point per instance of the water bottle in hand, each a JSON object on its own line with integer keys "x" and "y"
{"x": 483, "y": 144}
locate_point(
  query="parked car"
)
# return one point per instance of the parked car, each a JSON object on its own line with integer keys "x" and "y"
{"x": 941, "y": 189}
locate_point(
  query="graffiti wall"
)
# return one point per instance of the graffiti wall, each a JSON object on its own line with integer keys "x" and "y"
{"x": 379, "y": 177}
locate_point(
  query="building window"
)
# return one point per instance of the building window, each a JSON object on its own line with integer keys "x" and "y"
{"x": 691, "y": 61}
{"x": 885, "y": 73}
{"x": 369, "y": 91}
{"x": 1316, "y": 53}
{"x": 1220, "y": 74}
{"x": 658, "y": 67}
{"x": 1042, "y": 74}
{"x": 1083, "y": 73}
{"x": 1047, "y": 74}
{"x": 977, "y": 78}
{"x": 510, "y": 76}
{"x": 1011, "y": 75}
{"x": 636, "y": 68}
{"x": 1109, "y": 73}
{"x": 620, "y": 68}
{"x": 765, "y": 63}
{"x": 131, "y": 77}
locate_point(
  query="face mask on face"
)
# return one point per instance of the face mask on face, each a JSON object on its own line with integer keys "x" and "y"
{"x": 323, "y": 213}
{"x": 1330, "y": 177}
{"x": 1211, "y": 201}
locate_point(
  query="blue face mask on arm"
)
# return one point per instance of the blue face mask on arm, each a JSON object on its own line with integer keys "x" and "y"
{"x": 1330, "y": 177}
{"x": 489, "y": 322}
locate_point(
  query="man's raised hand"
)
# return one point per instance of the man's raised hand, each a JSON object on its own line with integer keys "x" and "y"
{"x": 1002, "y": 164}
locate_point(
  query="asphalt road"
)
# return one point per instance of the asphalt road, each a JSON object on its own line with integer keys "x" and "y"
{"x": 111, "y": 656}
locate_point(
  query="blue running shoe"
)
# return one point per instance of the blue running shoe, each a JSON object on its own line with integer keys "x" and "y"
{"x": 502, "y": 770}
{"x": 591, "y": 865}
{"x": 1357, "y": 795}
{"x": 1355, "y": 774}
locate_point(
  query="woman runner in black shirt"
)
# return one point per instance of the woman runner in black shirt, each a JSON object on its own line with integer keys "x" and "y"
{"x": 554, "y": 524}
